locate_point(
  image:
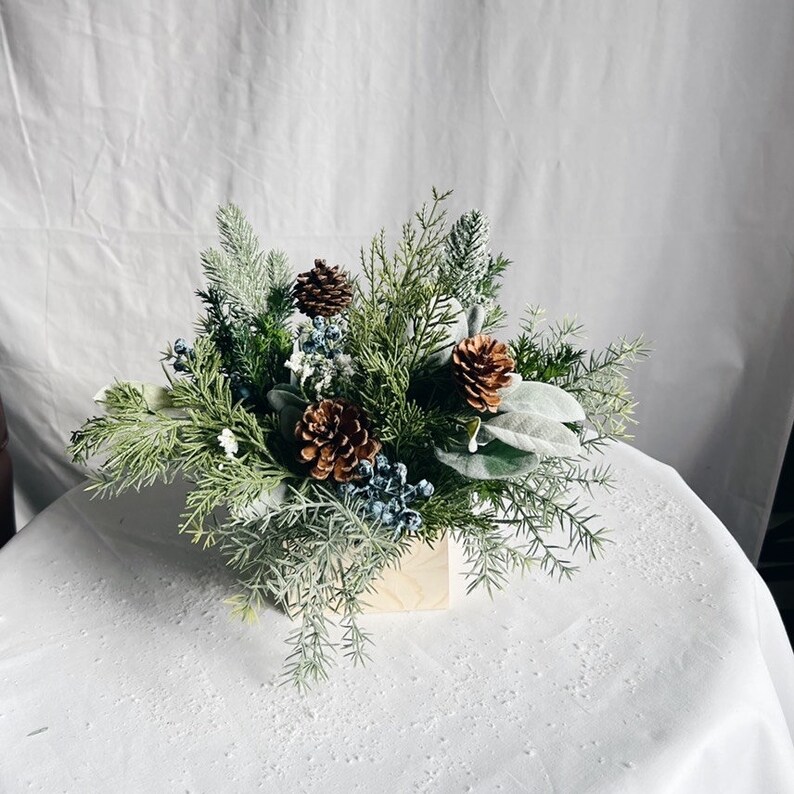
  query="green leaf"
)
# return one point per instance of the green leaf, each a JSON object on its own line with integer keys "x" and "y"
{"x": 494, "y": 461}
{"x": 288, "y": 418}
{"x": 543, "y": 399}
{"x": 282, "y": 395}
{"x": 474, "y": 319}
{"x": 532, "y": 433}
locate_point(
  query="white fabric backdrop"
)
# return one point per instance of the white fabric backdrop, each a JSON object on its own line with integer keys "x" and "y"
{"x": 636, "y": 160}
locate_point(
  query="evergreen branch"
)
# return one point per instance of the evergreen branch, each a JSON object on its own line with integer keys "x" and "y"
{"x": 466, "y": 261}
{"x": 241, "y": 286}
{"x": 599, "y": 383}
{"x": 313, "y": 555}
{"x": 312, "y": 649}
{"x": 141, "y": 446}
{"x": 279, "y": 279}
{"x": 485, "y": 551}
{"x": 236, "y": 484}
{"x": 252, "y": 282}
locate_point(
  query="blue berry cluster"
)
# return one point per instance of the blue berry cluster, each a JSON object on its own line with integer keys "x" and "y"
{"x": 241, "y": 390}
{"x": 387, "y": 493}
{"x": 183, "y": 353}
{"x": 323, "y": 338}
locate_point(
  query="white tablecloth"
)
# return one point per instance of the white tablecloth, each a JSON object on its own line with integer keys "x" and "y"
{"x": 662, "y": 667}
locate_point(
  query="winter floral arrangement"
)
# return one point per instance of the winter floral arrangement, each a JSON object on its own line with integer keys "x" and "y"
{"x": 320, "y": 451}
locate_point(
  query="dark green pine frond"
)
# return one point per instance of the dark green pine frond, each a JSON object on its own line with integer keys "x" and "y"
{"x": 253, "y": 350}
{"x": 546, "y": 355}
{"x": 535, "y": 363}
{"x": 279, "y": 295}
{"x": 219, "y": 324}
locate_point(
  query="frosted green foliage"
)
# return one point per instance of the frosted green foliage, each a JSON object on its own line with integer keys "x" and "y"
{"x": 254, "y": 282}
{"x": 278, "y": 269}
{"x": 143, "y": 443}
{"x": 314, "y": 554}
{"x": 469, "y": 272}
{"x": 466, "y": 257}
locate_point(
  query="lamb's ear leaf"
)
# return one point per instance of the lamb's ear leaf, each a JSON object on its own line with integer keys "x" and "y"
{"x": 288, "y": 419}
{"x": 284, "y": 394}
{"x": 515, "y": 382}
{"x": 543, "y": 399}
{"x": 532, "y": 433}
{"x": 494, "y": 461}
{"x": 156, "y": 397}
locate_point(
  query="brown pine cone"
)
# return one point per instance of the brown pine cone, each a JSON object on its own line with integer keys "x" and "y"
{"x": 334, "y": 436}
{"x": 481, "y": 366}
{"x": 322, "y": 291}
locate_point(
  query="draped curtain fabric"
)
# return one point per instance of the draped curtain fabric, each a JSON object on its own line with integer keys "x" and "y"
{"x": 636, "y": 161}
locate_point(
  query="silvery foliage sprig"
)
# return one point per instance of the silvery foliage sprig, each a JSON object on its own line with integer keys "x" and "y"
{"x": 468, "y": 271}
{"x": 244, "y": 274}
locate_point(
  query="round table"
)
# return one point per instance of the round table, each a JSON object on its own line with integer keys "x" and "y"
{"x": 663, "y": 667}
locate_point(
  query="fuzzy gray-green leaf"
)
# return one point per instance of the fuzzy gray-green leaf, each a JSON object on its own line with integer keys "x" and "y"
{"x": 288, "y": 419}
{"x": 475, "y": 317}
{"x": 542, "y": 399}
{"x": 494, "y": 461}
{"x": 283, "y": 395}
{"x": 532, "y": 433}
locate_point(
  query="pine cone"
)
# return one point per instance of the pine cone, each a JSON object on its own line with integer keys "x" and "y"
{"x": 322, "y": 291}
{"x": 334, "y": 436}
{"x": 481, "y": 366}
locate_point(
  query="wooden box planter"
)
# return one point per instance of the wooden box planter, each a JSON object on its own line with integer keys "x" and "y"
{"x": 420, "y": 583}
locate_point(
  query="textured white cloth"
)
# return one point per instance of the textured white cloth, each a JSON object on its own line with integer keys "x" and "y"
{"x": 663, "y": 667}
{"x": 636, "y": 160}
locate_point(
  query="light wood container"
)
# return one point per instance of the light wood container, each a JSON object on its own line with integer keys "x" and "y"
{"x": 421, "y": 582}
